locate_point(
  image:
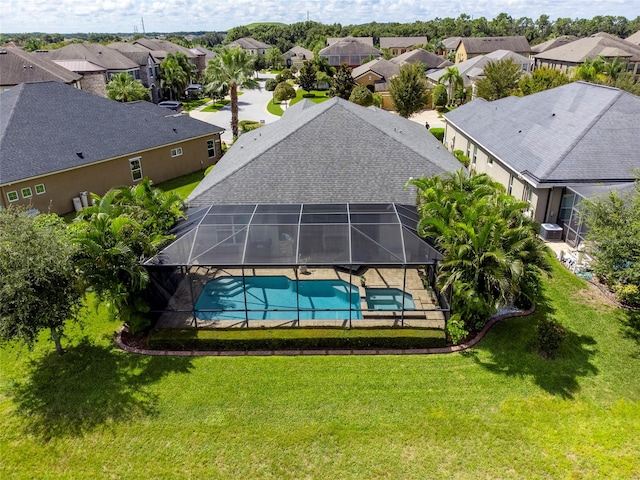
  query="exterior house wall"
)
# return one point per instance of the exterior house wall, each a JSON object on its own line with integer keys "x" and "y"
{"x": 369, "y": 79}
{"x": 461, "y": 53}
{"x": 94, "y": 82}
{"x": 157, "y": 164}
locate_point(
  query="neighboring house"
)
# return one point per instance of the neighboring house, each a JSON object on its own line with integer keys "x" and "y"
{"x": 58, "y": 141}
{"x": 160, "y": 48}
{"x": 208, "y": 54}
{"x": 539, "y": 146}
{"x": 448, "y": 46}
{"x": 473, "y": 69}
{"x": 429, "y": 60}
{"x": 553, "y": 43}
{"x": 296, "y": 56}
{"x": 399, "y": 45}
{"x": 149, "y": 66}
{"x": 18, "y": 66}
{"x": 349, "y": 50}
{"x": 365, "y": 40}
{"x": 635, "y": 38}
{"x": 251, "y": 45}
{"x": 97, "y": 63}
{"x": 474, "y": 46}
{"x": 375, "y": 74}
{"x": 332, "y": 152}
{"x": 599, "y": 45}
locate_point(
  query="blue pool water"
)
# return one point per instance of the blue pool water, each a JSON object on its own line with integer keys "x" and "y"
{"x": 388, "y": 299}
{"x": 274, "y": 298}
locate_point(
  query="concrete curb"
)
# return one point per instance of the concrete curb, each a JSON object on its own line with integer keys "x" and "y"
{"x": 268, "y": 353}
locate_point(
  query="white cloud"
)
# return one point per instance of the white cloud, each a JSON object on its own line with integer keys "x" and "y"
{"x": 69, "y": 16}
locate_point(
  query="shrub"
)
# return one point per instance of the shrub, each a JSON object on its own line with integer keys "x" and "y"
{"x": 550, "y": 336}
{"x": 440, "y": 97}
{"x": 361, "y": 96}
{"x": 462, "y": 158}
{"x": 270, "y": 84}
{"x": 438, "y": 133}
{"x": 628, "y": 294}
{"x": 456, "y": 329}
{"x": 248, "y": 125}
{"x": 377, "y": 100}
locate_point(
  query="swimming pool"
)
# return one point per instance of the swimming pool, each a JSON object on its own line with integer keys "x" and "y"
{"x": 275, "y": 298}
{"x": 388, "y": 299}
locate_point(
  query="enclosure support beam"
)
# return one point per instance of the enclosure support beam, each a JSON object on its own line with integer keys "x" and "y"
{"x": 244, "y": 293}
{"x": 404, "y": 288}
{"x": 193, "y": 301}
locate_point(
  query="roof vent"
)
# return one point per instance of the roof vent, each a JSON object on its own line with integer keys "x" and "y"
{"x": 80, "y": 154}
{"x": 553, "y": 114}
{"x": 519, "y": 131}
{"x": 175, "y": 130}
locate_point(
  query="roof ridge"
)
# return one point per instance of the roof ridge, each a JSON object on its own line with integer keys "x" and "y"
{"x": 20, "y": 90}
{"x": 584, "y": 133}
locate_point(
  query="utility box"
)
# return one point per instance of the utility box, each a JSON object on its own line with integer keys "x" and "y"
{"x": 550, "y": 231}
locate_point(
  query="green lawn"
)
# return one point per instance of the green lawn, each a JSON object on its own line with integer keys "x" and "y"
{"x": 498, "y": 411}
{"x": 216, "y": 106}
{"x": 320, "y": 96}
{"x": 190, "y": 105}
{"x": 184, "y": 185}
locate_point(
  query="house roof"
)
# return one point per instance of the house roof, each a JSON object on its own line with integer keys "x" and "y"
{"x": 18, "y": 66}
{"x": 44, "y": 126}
{"x": 635, "y": 38}
{"x": 349, "y": 46}
{"x": 248, "y": 43}
{"x": 553, "y": 43}
{"x": 474, "y": 67}
{"x": 477, "y": 45}
{"x": 601, "y": 44}
{"x": 83, "y": 66}
{"x": 430, "y": 60}
{"x": 402, "y": 42}
{"x": 137, "y": 53}
{"x": 365, "y": 40}
{"x": 576, "y": 133}
{"x": 298, "y": 51}
{"x": 451, "y": 43}
{"x": 95, "y": 53}
{"x": 380, "y": 66}
{"x": 331, "y": 152}
{"x": 160, "y": 48}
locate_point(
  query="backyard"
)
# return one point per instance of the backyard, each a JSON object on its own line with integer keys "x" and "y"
{"x": 496, "y": 411}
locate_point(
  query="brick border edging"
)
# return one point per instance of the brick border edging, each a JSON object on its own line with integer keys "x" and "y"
{"x": 381, "y": 351}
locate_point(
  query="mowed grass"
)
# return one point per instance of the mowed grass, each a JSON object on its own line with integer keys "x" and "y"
{"x": 497, "y": 411}
{"x": 319, "y": 97}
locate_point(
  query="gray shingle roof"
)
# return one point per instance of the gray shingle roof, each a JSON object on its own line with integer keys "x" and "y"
{"x": 402, "y": 42}
{"x": 165, "y": 47}
{"x": 553, "y": 43}
{"x": 576, "y": 133}
{"x": 18, "y": 66}
{"x": 635, "y": 38}
{"x": 491, "y": 44}
{"x": 590, "y": 47}
{"x": 430, "y": 60}
{"x": 106, "y": 57}
{"x": 365, "y": 40}
{"x": 44, "y": 125}
{"x": 349, "y": 46}
{"x": 474, "y": 67}
{"x": 332, "y": 152}
{"x": 249, "y": 43}
{"x": 382, "y": 67}
{"x": 137, "y": 53}
{"x": 298, "y": 51}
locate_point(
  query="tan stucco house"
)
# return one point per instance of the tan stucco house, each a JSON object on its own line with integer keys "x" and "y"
{"x": 58, "y": 141}
{"x": 399, "y": 45}
{"x": 541, "y": 145}
{"x": 472, "y": 47}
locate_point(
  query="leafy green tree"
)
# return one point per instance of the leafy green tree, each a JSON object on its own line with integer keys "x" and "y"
{"x": 123, "y": 88}
{"x": 38, "y": 284}
{"x": 613, "y": 69}
{"x": 270, "y": 85}
{"x": 307, "y": 76}
{"x": 440, "y": 97}
{"x": 173, "y": 76}
{"x": 342, "y": 83}
{"x": 283, "y": 92}
{"x": 259, "y": 63}
{"x": 542, "y": 79}
{"x": 500, "y": 79}
{"x": 628, "y": 82}
{"x": 231, "y": 69}
{"x": 362, "y": 96}
{"x": 274, "y": 57}
{"x": 492, "y": 255}
{"x": 591, "y": 70}
{"x": 453, "y": 79}
{"x": 409, "y": 91}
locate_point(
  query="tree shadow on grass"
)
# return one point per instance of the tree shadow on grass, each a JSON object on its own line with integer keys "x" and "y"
{"x": 90, "y": 386}
{"x": 630, "y": 326}
{"x": 510, "y": 348}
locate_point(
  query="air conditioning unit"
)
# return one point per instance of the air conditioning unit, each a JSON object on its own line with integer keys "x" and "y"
{"x": 550, "y": 231}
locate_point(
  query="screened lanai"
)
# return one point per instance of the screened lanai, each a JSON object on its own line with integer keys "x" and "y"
{"x": 270, "y": 264}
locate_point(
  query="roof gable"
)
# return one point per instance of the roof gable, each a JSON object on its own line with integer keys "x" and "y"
{"x": 490, "y": 44}
{"x": 349, "y": 46}
{"x": 384, "y": 68}
{"x": 44, "y": 126}
{"x": 335, "y": 151}
{"x": 402, "y": 42}
{"x": 164, "y": 46}
{"x": 95, "y": 53}
{"x": 590, "y": 47}
{"x": 580, "y": 132}
{"x": 18, "y": 66}
{"x": 430, "y": 60}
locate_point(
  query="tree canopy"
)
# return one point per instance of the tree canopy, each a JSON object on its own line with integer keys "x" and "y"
{"x": 542, "y": 79}
{"x": 409, "y": 90}
{"x": 123, "y": 88}
{"x": 342, "y": 82}
{"x": 307, "y": 76}
{"x": 284, "y": 91}
{"x": 362, "y": 96}
{"x": 500, "y": 79}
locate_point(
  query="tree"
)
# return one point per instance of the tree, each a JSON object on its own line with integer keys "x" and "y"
{"x": 440, "y": 97}
{"x": 123, "y": 88}
{"x": 173, "y": 76}
{"x": 613, "y": 69}
{"x": 454, "y": 80}
{"x": 307, "y": 76}
{"x": 274, "y": 57}
{"x": 283, "y": 92}
{"x": 542, "y": 79}
{"x": 627, "y": 81}
{"x": 362, "y": 96}
{"x": 38, "y": 287}
{"x": 409, "y": 90}
{"x": 342, "y": 83}
{"x": 259, "y": 63}
{"x": 231, "y": 69}
{"x": 591, "y": 70}
{"x": 500, "y": 79}
{"x": 270, "y": 84}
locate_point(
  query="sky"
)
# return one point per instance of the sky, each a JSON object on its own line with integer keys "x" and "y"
{"x": 125, "y": 16}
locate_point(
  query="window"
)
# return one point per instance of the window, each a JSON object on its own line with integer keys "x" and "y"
{"x": 468, "y": 148}
{"x": 12, "y": 196}
{"x": 40, "y": 189}
{"x": 136, "y": 168}
{"x": 510, "y": 189}
{"x": 475, "y": 154}
{"x": 26, "y": 192}
{"x": 150, "y": 71}
{"x": 176, "y": 152}
{"x": 489, "y": 160}
{"x": 211, "y": 148}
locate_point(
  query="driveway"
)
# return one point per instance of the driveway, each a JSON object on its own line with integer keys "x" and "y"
{"x": 252, "y": 105}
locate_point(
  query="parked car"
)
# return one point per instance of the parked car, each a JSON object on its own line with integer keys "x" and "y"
{"x": 172, "y": 105}
{"x": 193, "y": 91}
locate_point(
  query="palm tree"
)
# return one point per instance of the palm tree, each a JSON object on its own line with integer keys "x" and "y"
{"x": 454, "y": 80}
{"x": 592, "y": 70}
{"x": 613, "y": 69}
{"x": 123, "y": 88}
{"x": 173, "y": 76}
{"x": 232, "y": 67}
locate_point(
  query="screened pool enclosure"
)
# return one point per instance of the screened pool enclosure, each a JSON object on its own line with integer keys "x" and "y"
{"x": 297, "y": 264}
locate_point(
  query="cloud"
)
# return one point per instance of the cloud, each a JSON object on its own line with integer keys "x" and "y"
{"x": 114, "y": 16}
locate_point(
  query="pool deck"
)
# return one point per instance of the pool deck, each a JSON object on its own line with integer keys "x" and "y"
{"x": 426, "y": 314}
